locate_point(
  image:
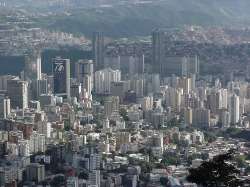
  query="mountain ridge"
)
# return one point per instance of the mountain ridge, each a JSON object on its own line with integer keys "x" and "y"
{"x": 141, "y": 19}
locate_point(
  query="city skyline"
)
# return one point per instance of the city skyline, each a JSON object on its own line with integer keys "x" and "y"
{"x": 132, "y": 93}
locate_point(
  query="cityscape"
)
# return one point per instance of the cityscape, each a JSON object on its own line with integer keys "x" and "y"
{"x": 102, "y": 106}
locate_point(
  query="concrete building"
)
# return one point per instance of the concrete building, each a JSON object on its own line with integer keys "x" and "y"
{"x": 17, "y": 91}
{"x": 158, "y": 40}
{"x": 234, "y": 108}
{"x": 4, "y": 107}
{"x": 35, "y": 172}
{"x": 61, "y": 72}
{"x": 33, "y": 67}
{"x": 98, "y": 50}
{"x": 188, "y": 116}
{"x": 201, "y": 117}
{"x": 104, "y": 78}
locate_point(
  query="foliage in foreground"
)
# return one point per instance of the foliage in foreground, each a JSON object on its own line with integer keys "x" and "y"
{"x": 217, "y": 172}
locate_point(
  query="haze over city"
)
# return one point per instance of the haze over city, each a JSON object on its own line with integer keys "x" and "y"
{"x": 124, "y": 93}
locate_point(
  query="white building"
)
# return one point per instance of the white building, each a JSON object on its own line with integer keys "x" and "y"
{"x": 37, "y": 143}
{"x": 234, "y": 109}
{"x": 104, "y": 78}
{"x": 23, "y": 148}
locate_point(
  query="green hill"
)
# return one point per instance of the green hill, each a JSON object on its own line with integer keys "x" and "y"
{"x": 129, "y": 20}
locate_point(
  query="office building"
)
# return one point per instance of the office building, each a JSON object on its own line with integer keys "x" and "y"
{"x": 17, "y": 91}
{"x": 188, "y": 116}
{"x": 158, "y": 40}
{"x": 94, "y": 178}
{"x": 38, "y": 87}
{"x": 201, "y": 117}
{"x": 120, "y": 88}
{"x": 137, "y": 85}
{"x": 3, "y": 81}
{"x": 180, "y": 66}
{"x": 33, "y": 69}
{"x": 35, "y": 172}
{"x": 83, "y": 68}
{"x": 234, "y": 109}
{"x": 98, "y": 50}
{"x": 61, "y": 72}
{"x": 4, "y": 107}
{"x": 104, "y": 78}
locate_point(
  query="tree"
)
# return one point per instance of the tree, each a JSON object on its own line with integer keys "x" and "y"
{"x": 124, "y": 114}
{"x": 164, "y": 181}
{"x": 216, "y": 172}
{"x": 58, "y": 180}
{"x": 84, "y": 175}
{"x": 170, "y": 160}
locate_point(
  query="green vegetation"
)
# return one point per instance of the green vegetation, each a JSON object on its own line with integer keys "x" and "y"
{"x": 170, "y": 160}
{"x": 135, "y": 20}
{"x": 124, "y": 114}
{"x": 217, "y": 172}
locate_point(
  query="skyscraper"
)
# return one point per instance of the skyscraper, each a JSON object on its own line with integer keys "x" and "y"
{"x": 38, "y": 87}
{"x": 158, "y": 42}
{"x": 35, "y": 172}
{"x": 98, "y": 50}
{"x": 85, "y": 74}
{"x": 234, "y": 109}
{"x": 17, "y": 90}
{"x": 32, "y": 68}
{"x": 104, "y": 78}
{"x": 4, "y": 107}
{"x": 83, "y": 68}
{"x": 61, "y": 72}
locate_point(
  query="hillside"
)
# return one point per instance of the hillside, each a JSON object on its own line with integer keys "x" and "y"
{"x": 131, "y": 20}
{"x": 128, "y": 19}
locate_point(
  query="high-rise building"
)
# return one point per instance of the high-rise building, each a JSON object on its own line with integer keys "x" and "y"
{"x": 83, "y": 68}
{"x": 137, "y": 66}
{"x": 180, "y": 66}
{"x": 98, "y": 50}
{"x": 137, "y": 85}
{"x": 61, "y": 72}
{"x": 119, "y": 88}
{"x": 17, "y": 91}
{"x": 174, "y": 65}
{"x": 33, "y": 70}
{"x": 84, "y": 73}
{"x": 214, "y": 101}
{"x": 224, "y": 118}
{"x": 94, "y": 178}
{"x": 37, "y": 143}
{"x": 185, "y": 83}
{"x": 4, "y": 107}
{"x": 104, "y": 78}
{"x": 111, "y": 104}
{"x": 88, "y": 84}
{"x": 193, "y": 65}
{"x": 38, "y": 87}
{"x": 23, "y": 148}
{"x": 188, "y": 116}
{"x": 158, "y": 40}
{"x": 3, "y": 81}
{"x": 201, "y": 117}
{"x": 35, "y": 172}
{"x": 173, "y": 98}
{"x": 234, "y": 108}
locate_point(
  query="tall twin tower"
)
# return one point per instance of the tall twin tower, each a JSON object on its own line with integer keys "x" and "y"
{"x": 166, "y": 64}
{"x": 98, "y": 50}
